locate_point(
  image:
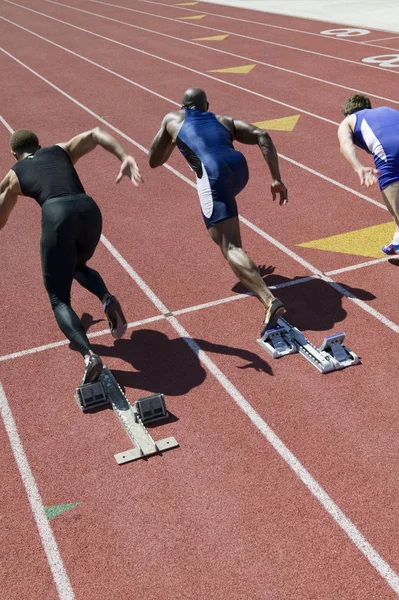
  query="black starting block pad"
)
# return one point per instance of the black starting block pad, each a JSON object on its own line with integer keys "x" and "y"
{"x": 133, "y": 418}
{"x": 285, "y": 339}
{"x": 151, "y": 408}
{"x": 91, "y": 395}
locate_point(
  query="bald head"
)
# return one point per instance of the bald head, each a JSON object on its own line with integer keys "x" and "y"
{"x": 195, "y": 98}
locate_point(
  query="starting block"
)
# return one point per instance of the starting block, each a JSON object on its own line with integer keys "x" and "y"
{"x": 286, "y": 339}
{"x": 106, "y": 391}
{"x": 91, "y": 395}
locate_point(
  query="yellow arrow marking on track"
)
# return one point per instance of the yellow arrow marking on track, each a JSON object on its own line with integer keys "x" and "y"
{"x": 362, "y": 242}
{"x": 243, "y": 69}
{"x": 284, "y": 124}
{"x": 213, "y": 38}
{"x": 194, "y": 18}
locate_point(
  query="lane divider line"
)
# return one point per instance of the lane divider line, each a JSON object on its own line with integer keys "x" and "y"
{"x": 371, "y": 311}
{"x": 175, "y": 20}
{"x": 218, "y": 50}
{"x": 346, "y": 525}
{"x": 292, "y": 161}
{"x": 60, "y": 576}
{"x": 188, "y": 309}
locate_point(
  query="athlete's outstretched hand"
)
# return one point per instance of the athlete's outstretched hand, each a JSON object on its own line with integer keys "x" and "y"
{"x": 130, "y": 168}
{"x": 278, "y": 187}
{"x": 367, "y": 175}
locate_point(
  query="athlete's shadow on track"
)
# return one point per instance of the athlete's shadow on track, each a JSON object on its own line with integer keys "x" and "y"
{"x": 168, "y": 365}
{"x": 314, "y": 305}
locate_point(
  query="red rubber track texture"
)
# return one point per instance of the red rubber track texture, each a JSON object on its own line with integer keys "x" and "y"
{"x": 223, "y": 516}
{"x": 335, "y": 207}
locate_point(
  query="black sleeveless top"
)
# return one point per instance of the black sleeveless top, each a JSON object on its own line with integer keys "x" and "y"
{"x": 48, "y": 173}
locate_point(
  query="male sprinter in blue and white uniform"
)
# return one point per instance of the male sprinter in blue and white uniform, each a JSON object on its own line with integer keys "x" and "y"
{"x": 375, "y": 130}
{"x": 206, "y": 141}
{"x": 71, "y": 225}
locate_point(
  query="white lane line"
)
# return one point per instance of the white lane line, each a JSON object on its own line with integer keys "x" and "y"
{"x": 188, "y": 309}
{"x": 175, "y": 64}
{"x": 218, "y": 50}
{"x": 367, "y": 263}
{"x": 334, "y": 182}
{"x": 212, "y": 303}
{"x": 387, "y": 322}
{"x": 88, "y": 60}
{"x": 395, "y": 50}
{"x": 241, "y": 20}
{"x": 135, "y": 324}
{"x": 374, "y": 558}
{"x": 337, "y": 58}
{"x": 6, "y": 125}
{"x": 394, "y": 37}
{"x": 337, "y": 286}
{"x": 60, "y": 576}
{"x": 132, "y": 273}
{"x": 381, "y": 566}
{"x": 60, "y": 343}
{"x": 292, "y": 161}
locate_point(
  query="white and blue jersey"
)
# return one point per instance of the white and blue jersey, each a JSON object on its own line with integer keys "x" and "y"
{"x": 221, "y": 171}
{"x": 377, "y": 132}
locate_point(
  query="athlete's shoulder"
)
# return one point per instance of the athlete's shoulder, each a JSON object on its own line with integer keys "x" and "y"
{"x": 174, "y": 116}
{"x": 172, "y": 122}
{"x": 228, "y": 122}
{"x": 386, "y": 110}
{"x": 10, "y": 182}
{"x": 57, "y": 148}
{"x": 348, "y": 123}
{"x": 224, "y": 118}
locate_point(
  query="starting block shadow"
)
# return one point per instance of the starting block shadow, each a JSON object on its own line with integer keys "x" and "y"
{"x": 146, "y": 411}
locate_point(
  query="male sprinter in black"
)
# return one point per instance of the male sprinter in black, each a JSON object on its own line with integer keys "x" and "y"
{"x": 71, "y": 225}
{"x": 206, "y": 141}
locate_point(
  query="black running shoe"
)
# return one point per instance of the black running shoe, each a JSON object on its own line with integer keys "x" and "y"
{"x": 116, "y": 319}
{"x": 275, "y": 311}
{"x": 93, "y": 369}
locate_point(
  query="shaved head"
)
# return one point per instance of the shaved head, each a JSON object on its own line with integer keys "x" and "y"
{"x": 195, "y": 98}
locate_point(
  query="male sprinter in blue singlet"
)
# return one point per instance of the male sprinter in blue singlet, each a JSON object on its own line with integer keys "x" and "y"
{"x": 206, "y": 141}
{"x": 71, "y": 226}
{"x": 375, "y": 130}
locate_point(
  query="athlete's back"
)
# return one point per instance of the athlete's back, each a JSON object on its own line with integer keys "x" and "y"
{"x": 377, "y": 131}
{"x": 48, "y": 173}
{"x": 202, "y": 139}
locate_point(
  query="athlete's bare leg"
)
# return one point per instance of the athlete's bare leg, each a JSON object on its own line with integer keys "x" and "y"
{"x": 391, "y": 199}
{"x": 226, "y": 235}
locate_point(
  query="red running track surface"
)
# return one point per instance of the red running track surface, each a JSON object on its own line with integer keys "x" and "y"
{"x": 270, "y": 451}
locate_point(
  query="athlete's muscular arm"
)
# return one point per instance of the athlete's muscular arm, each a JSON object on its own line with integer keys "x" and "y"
{"x": 246, "y": 133}
{"x": 9, "y": 191}
{"x": 85, "y": 142}
{"x": 162, "y": 145}
{"x": 367, "y": 175}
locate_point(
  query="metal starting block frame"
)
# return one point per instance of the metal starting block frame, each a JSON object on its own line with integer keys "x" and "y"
{"x": 286, "y": 339}
{"x": 150, "y": 409}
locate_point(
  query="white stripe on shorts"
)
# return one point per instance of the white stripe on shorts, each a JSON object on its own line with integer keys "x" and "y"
{"x": 372, "y": 141}
{"x": 205, "y": 193}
